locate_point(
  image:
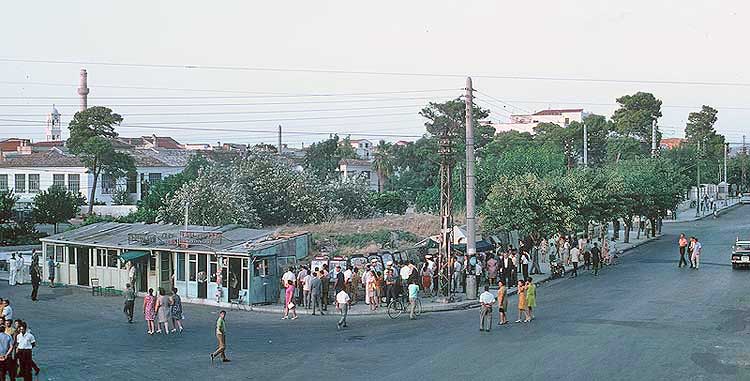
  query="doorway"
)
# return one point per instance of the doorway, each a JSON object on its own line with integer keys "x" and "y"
{"x": 82, "y": 265}
{"x": 235, "y": 277}
{"x": 165, "y": 271}
{"x": 202, "y": 276}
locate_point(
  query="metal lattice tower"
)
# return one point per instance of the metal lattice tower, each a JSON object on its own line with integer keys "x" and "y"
{"x": 446, "y": 214}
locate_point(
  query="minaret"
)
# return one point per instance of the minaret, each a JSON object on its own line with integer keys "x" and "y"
{"x": 83, "y": 90}
{"x": 53, "y": 131}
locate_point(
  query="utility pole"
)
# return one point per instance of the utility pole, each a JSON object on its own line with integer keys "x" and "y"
{"x": 698, "y": 188}
{"x": 744, "y": 163}
{"x": 726, "y": 153}
{"x": 279, "y": 150}
{"x": 654, "y": 152}
{"x": 471, "y": 248}
{"x": 585, "y": 145}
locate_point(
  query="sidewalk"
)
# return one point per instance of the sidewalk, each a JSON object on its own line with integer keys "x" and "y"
{"x": 432, "y": 304}
{"x": 688, "y": 215}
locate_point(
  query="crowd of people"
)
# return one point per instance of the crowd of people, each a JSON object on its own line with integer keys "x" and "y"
{"x": 158, "y": 310}
{"x": 16, "y": 345}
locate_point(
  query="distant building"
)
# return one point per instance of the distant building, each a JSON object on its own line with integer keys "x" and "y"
{"x": 671, "y": 143}
{"x": 358, "y": 169}
{"x": 31, "y": 173}
{"x": 152, "y": 141}
{"x": 526, "y": 123}
{"x": 52, "y": 131}
{"x": 363, "y": 148}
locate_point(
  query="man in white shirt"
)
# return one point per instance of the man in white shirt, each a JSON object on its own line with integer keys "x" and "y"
{"x": 405, "y": 273}
{"x": 574, "y": 258}
{"x": 306, "y": 283}
{"x": 485, "y": 314}
{"x": 342, "y": 304}
{"x": 7, "y": 313}
{"x": 456, "y": 273}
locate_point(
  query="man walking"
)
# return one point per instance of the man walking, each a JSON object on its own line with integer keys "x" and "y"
{"x": 575, "y": 255}
{"x": 36, "y": 280}
{"x": 535, "y": 269}
{"x": 595, "y": 258}
{"x": 413, "y": 295}
{"x": 221, "y": 338}
{"x": 485, "y": 315}
{"x": 342, "y": 304}
{"x": 129, "y": 302}
{"x": 316, "y": 290}
{"x": 696, "y": 256}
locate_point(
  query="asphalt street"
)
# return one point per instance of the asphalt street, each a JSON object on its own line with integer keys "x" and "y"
{"x": 643, "y": 319}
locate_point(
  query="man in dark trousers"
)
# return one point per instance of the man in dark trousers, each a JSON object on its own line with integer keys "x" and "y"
{"x": 316, "y": 290}
{"x": 36, "y": 280}
{"x": 338, "y": 285}
{"x": 129, "y": 296}
{"x": 595, "y": 258}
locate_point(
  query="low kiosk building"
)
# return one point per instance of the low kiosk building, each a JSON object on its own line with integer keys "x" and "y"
{"x": 205, "y": 264}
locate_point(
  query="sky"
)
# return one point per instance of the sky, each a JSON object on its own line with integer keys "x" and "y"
{"x": 191, "y": 69}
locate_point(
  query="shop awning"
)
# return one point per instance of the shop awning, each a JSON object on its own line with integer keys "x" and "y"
{"x": 133, "y": 254}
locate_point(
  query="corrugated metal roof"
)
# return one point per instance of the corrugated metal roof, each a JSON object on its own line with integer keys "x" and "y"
{"x": 235, "y": 239}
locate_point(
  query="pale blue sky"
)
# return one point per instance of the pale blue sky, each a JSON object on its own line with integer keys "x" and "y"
{"x": 634, "y": 40}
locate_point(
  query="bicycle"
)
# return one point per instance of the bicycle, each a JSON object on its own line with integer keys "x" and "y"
{"x": 396, "y": 307}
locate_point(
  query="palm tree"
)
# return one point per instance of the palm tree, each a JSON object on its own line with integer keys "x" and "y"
{"x": 383, "y": 162}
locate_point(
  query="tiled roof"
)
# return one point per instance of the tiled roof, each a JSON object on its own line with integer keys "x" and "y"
{"x": 558, "y": 112}
{"x": 355, "y": 162}
{"x": 54, "y": 143}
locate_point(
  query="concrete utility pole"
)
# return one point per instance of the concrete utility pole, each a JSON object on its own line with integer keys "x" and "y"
{"x": 83, "y": 90}
{"x": 726, "y": 153}
{"x": 654, "y": 152}
{"x": 471, "y": 248}
{"x": 279, "y": 150}
{"x": 585, "y": 145}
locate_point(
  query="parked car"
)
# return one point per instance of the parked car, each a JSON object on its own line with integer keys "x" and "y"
{"x": 741, "y": 254}
{"x": 745, "y": 198}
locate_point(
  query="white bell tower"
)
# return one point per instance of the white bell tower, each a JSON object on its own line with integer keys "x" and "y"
{"x": 53, "y": 132}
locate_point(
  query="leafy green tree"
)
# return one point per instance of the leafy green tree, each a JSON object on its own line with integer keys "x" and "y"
{"x": 623, "y": 148}
{"x": 504, "y": 141}
{"x": 700, "y": 131}
{"x": 91, "y": 135}
{"x": 635, "y": 116}
{"x": 390, "y": 202}
{"x": 322, "y": 158}
{"x": 450, "y": 117}
{"x": 348, "y": 199}
{"x": 56, "y": 205}
{"x": 532, "y": 205}
{"x": 565, "y": 139}
{"x": 7, "y": 203}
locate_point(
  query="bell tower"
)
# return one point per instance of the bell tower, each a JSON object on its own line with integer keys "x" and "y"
{"x": 53, "y": 132}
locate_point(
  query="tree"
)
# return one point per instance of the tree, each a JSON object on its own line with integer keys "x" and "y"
{"x": 532, "y": 205}
{"x": 635, "y": 116}
{"x": 700, "y": 130}
{"x": 56, "y": 205}
{"x": 322, "y": 158}
{"x": 348, "y": 199}
{"x": 450, "y": 117}
{"x": 565, "y": 139}
{"x": 504, "y": 141}
{"x": 7, "y": 202}
{"x": 91, "y": 135}
{"x": 389, "y": 202}
{"x": 383, "y": 162}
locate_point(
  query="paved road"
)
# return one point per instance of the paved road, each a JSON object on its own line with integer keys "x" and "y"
{"x": 644, "y": 319}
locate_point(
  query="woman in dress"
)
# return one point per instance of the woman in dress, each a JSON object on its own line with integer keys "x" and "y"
{"x": 149, "y": 303}
{"x": 162, "y": 312}
{"x": 530, "y": 299}
{"x": 372, "y": 288}
{"x": 521, "y": 301}
{"x": 289, "y": 305}
{"x": 426, "y": 277}
{"x": 176, "y": 310}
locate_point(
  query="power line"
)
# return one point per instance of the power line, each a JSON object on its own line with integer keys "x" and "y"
{"x": 503, "y": 102}
{"x": 380, "y": 73}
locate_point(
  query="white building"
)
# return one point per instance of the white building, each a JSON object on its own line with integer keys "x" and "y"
{"x": 358, "y": 169}
{"x": 363, "y": 148}
{"x": 53, "y": 132}
{"x": 526, "y": 123}
{"x": 29, "y": 174}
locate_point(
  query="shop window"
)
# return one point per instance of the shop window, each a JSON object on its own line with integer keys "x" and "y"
{"x": 59, "y": 254}
{"x": 72, "y": 255}
{"x": 192, "y": 267}
{"x": 112, "y": 258}
{"x": 260, "y": 267}
{"x": 50, "y": 251}
{"x": 108, "y": 183}
{"x": 154, "y": 178}
{"x": 101, "y": 257}
{"x": 180, "y": 266}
